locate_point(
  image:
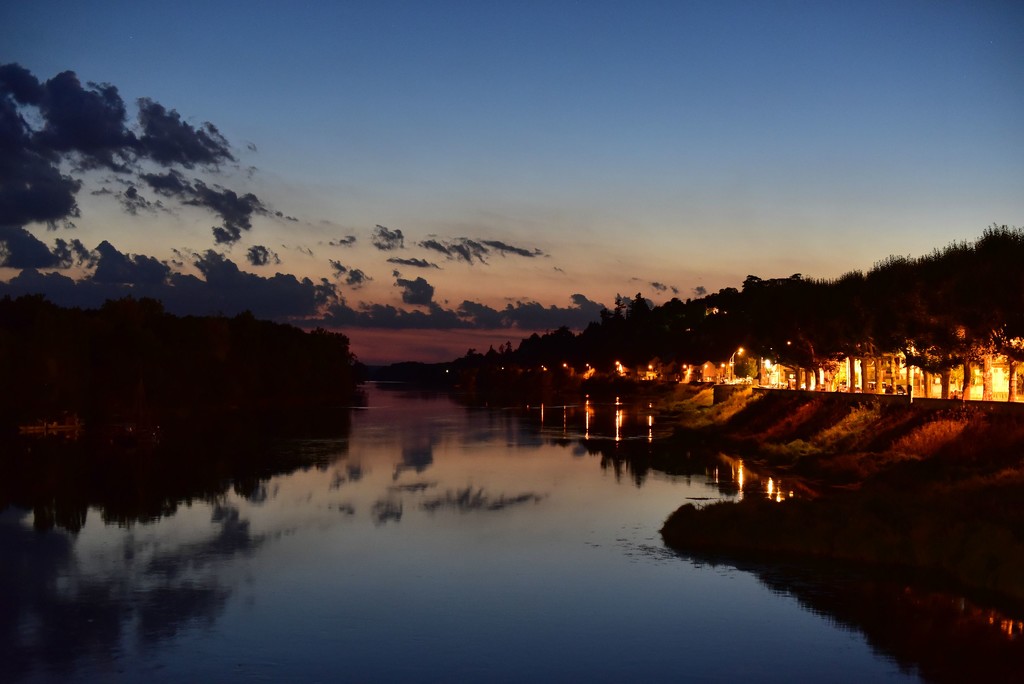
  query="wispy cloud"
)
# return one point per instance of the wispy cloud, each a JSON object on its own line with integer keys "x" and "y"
{"x": 475, "y": 251}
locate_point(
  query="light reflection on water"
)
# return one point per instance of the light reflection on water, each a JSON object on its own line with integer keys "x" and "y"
{"x": 438, "y": 543}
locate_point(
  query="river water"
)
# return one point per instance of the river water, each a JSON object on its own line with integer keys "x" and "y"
{"x": 432, "y": 542}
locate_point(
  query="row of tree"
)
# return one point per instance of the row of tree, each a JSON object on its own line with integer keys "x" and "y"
{"x": 130, "y": 359}
{"x": 953, "y": 308}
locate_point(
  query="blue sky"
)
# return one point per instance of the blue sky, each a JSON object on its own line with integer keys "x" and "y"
{"x": 589, "y": 149}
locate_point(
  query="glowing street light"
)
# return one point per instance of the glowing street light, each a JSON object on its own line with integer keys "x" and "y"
{"x": 732, "y": 359}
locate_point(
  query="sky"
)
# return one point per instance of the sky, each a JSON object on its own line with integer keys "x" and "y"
{"x": 429, "y": 177}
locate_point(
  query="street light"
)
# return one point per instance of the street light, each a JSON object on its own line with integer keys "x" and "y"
{"x": 732, "y": 372}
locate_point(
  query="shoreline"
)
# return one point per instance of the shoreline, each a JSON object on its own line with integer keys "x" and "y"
{"x": 922, "y": 488}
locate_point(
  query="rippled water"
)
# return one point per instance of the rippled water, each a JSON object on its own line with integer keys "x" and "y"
{"x": 432, "y": 543}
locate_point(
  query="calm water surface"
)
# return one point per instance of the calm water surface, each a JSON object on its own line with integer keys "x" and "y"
{"x": 434, "y": 543}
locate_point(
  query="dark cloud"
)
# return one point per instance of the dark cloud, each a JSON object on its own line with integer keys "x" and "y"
{"x": 354, "y": 277}
{"x": 700, "y": 291}
{"x": 415, "y": 263}
{"x": 133, "y": 202}
{"x": 235, "y": 210}
{"x": 168, "y": 140}
{"x": 346, "y": 241}
{"x": 222, "y": 289}
{"x": 113, "y": 267}
{"x": 475, "y": 251}
{"x": 32, "y": 187}
{"x": 281, "y": 215}
{"x": 657, "y": 286}
{"x": 258, "y": 255}
{"x": 386, "y": 239}
{"x": 503, "y": 249}
{"x": 226, "y": 288}
{"x": 21, "y": 249}
{"x": 19, "y": 82}
{"x": 72, "y": 252}
{"x": 86, "y": 127}
{"x": 87, "y": 121}
{"x": 524, "y": 315}
{"x": 417, "y": 292}
{"x": 460, "y": 249}
{"x": 483, "y": 315}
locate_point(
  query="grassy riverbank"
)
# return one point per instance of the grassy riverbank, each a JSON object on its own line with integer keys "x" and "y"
{"x": 928, "y": 487}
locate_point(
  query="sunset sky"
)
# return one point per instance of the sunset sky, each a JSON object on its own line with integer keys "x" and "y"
{"x": 432, "y": 176}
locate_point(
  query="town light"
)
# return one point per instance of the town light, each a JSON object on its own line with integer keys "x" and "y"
{"x": 732, "y": 359}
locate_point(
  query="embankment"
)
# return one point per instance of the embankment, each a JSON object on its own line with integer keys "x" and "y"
{"x": 929, "y": 486}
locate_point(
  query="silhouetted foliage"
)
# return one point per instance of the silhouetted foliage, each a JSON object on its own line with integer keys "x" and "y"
{"x": 132, "y": 360}
{"x": 953, "y": 306}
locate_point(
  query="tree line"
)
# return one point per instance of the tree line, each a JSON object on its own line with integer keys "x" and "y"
{"x": 131, "y": 360}
{"x": 945, "y": 312}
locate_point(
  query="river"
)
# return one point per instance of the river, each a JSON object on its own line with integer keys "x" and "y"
{"x": 426, "y": 542}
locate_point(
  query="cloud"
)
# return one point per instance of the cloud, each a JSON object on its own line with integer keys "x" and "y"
{"x": 226, "y": 288}
{"x": 354, "y": 277}
{"x": 523, "y": 315}
{"x": 133, "y": 202}
{"x": 113, "y": 267}
{"x": 472, "y": 251}
{"x": 415, "y": 263}
{"x": 32, "y": 187}
{"x": 346, "y": 241}
{"x": 258, "y": 255}
{"x": 700, "y": 291}
{"x": 168, "y": 140}
{"x": 386, "y": 239}
{"x": 86, "y": 127}
{"x": 503, "y": 249}
{"x": 222, "y": 289}
{"x": 235, "y": 210}
{"x": 460, "y": 249}
{"x": 87, "y": 121}
{"x": 21, "y": 249}
{"x": 417, "y": 292}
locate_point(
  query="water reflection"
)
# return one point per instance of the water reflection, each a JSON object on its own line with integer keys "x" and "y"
{"x": 60, "y": 480}
{"x": 61, "y": 605}
{"x": 928, "y": 630}
{"x": 454, "y": 535}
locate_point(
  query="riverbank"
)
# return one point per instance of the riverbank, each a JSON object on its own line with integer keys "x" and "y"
{"x": 924, "y": 487}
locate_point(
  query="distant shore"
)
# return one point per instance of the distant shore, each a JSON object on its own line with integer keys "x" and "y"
{"x": 924, "y": 487}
